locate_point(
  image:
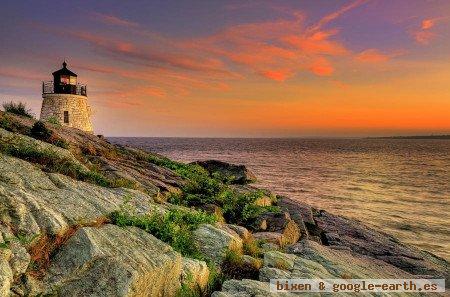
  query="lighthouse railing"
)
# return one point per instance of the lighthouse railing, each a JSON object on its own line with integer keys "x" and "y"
{"x": 48, "y": 87}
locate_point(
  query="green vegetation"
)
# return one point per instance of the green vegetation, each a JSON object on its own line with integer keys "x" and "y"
{"x": 240, "y": 208}
{"x": 51, "y": 161}
{"x": 201, "y": 189}
{"x": 5, "y": 244}
{"x": 41, "y": 132}
{"x": 10, "y": 125}
{"x": 17, "y": 108}
{"x": 5, "y": 123}
{"x": 174, "y": 227}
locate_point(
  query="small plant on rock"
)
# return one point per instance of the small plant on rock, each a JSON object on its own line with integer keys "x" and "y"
{"x": 174, "y": 227}
{"x": 234, "y": 266}
{"x": 54, "y": 120}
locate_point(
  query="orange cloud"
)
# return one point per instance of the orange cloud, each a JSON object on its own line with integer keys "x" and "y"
{"x": 267, "y": 47}
{"x": 372, "y": 56}
{"x": 277, "y": 75}
{"x": 427, "y": 24}
{"x": 317, "y": 43}
{"x": 321, "y": 67}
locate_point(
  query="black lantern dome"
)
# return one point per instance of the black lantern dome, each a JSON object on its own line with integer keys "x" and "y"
{"x": 64, "y": 82}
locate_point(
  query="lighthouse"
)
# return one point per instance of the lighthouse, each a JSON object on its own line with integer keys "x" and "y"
{"x": 65, "y": 100}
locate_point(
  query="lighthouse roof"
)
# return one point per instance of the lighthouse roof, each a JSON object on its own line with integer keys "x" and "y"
{"x": 64, "y": 71}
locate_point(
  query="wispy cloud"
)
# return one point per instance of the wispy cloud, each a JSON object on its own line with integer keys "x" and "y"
{"x": 336, "y": 14}
{"x": 372, "y": 56}
{"x": 113, "y": 20}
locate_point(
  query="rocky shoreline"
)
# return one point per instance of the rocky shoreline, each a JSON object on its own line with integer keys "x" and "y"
{"x": 80, "y": 216}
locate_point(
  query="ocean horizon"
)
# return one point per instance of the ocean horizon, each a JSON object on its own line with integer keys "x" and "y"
{"x": 399, "y": 186}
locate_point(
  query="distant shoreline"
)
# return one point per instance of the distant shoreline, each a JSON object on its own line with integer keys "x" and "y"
{"x": 414, "y": 137}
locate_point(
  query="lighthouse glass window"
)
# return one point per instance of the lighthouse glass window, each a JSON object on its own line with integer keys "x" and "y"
{"x": 73, "y": 80}
{"x": 64, "y": 79}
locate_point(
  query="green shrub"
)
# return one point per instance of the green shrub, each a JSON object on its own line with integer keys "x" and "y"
{"x": 240, "y": 208}
{"x": 17, "y": 108}
{"x": 40, "y": 131}
{"x": 174, "y": 227}
{"x": 5, "y": 123}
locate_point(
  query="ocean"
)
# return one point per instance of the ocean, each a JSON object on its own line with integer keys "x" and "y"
{"x": 399, "y": 186}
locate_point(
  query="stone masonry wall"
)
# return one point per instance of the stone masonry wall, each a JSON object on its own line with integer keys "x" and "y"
{"x": 79, "y": 110}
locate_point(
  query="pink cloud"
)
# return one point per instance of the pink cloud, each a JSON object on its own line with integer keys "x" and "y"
{"x": 424, "y": 35}
{"x": 152, "y": 56}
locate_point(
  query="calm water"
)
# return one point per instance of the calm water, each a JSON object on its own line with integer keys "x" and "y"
{"x": 400, "y": 186}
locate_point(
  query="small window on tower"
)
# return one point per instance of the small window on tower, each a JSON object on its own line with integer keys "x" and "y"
{"x": 66, "y": 117}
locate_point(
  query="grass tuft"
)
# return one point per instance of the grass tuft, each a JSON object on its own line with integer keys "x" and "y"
{"x": 234, "y": 266}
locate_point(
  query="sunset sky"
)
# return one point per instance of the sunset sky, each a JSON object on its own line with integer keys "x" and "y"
{"x": 238, "y": 68}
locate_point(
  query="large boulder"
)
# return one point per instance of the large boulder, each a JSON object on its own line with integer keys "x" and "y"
{"x": 279, "y": 260}
{"x": 269, "y": 237}
{"x": 343, "y": 233}
{"x": 215, "y": 241}
{"x": 241, "y": 231}
{"x": 279, "y": 223}
{"x": 114, "y": 261}
{"x": 317, "y": 261}
{"x": 237, "y": 174}
{"x": 35, "y": 202}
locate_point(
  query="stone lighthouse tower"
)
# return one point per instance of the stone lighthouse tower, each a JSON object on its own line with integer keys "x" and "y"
{"x": 65, "y": 100}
